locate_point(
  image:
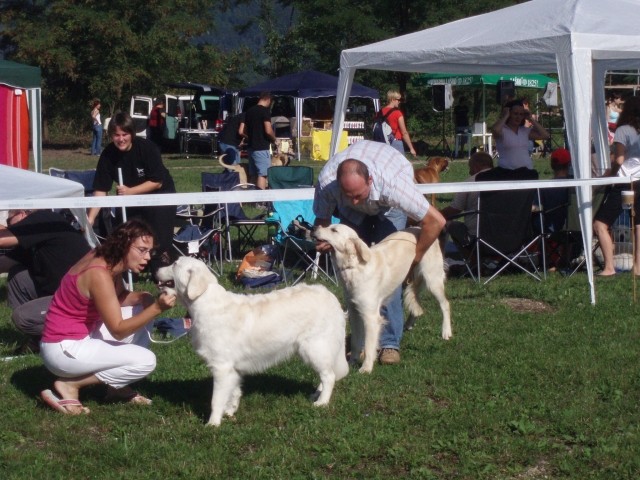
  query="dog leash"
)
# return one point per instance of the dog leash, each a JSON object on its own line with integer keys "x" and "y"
{"x": 166, "y": 342}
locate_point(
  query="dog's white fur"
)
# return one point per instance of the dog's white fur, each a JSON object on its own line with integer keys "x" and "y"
{"x": 241, "y": 334}
{"x": 370, "y": 275}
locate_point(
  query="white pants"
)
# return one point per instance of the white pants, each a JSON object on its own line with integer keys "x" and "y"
{"x": 115, "y": 363}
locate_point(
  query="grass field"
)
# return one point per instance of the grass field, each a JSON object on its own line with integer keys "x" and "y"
{"x": 537, "y": 383}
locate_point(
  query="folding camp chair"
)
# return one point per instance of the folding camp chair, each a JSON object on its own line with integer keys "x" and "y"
{"x": 301, "y": 249}
{"x": 200, "y": 235}
{"x": 286, "y": 214}
{"x": 506, "y": 237}
{"x": 234, "y": 214}
{"x": 290, "y": 176}
{"x": 569, "y": 246}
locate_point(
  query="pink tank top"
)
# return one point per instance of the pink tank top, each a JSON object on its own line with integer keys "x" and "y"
{"x": 71, "y": 315}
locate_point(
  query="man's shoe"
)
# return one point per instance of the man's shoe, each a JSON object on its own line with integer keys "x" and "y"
{"x": 389, "y": 356}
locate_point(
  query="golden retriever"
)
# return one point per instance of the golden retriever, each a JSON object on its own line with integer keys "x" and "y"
{"x": 370, "y": 275}
{"x": 239, "y": 334}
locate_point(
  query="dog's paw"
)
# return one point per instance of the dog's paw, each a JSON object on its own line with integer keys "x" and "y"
{"x": 366, "y": 369}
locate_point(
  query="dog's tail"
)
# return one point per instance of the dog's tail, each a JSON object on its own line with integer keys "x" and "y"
{"x": 411, "y": 296}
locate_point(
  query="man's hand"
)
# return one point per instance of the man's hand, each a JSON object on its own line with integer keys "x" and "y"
{"x": 323, "y": 247}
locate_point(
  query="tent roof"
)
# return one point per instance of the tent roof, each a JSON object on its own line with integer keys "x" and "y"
{"x": 24, "y": 184}
{"x": 532, "y": 80}
{"x": 19, "y": 75}
{"x": 198, "y": 87}
{"x": 489, "y": 42}
{"x": 308, "y": 84}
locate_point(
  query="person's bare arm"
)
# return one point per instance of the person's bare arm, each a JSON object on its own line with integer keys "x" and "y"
{"x": 538, "y": 132}
{"x": 93, "y": 211}
{"x": 430, "y": 227}
{"x": 7, "y": 239}
{"x": 100, "y": 288}
{"x": 619, "y": 152}
{"x": 405, "y": 135}
{"x": 497, "y": 127}
{"x": 268, "y": 130}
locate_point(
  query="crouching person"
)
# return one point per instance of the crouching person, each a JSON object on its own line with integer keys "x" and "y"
{"x": 86, "y": 340}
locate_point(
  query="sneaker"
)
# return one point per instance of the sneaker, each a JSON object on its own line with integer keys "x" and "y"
{"x": 389, "y": 356}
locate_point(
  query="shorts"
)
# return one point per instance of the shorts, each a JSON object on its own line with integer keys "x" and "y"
{"x": 611, "y": 206}
{"x": 259, "y": 162}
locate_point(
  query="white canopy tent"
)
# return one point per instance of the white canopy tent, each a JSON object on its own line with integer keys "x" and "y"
{"x": 18, "y": 185}
{"x": 579, "y": 39}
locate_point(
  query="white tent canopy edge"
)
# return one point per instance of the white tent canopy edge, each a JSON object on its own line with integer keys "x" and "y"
{"x": 578, "y": 39}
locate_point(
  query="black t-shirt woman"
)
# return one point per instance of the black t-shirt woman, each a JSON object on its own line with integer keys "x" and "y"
{"x": 142, "y": 172}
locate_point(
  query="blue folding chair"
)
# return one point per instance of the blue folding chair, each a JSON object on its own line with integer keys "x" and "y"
{"x": 292, "y": 243}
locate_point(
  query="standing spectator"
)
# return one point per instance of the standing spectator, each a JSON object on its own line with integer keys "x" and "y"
{"x": 512, "y": 137}
{"x": 461, "y": 121}
{"x": 613, "y": 108}
{"x": 86, "y": 339}
{"x": 370, "y": 186}
{"x": 258, "y": 129}
{"x": 231, "y": 138}
{"x": 43, "y": 246}
{"x": 157, "y": 122}
{"x": 96, "y": 127}
{"x": 626, "y": 145}
{"x": 142, "y": 172}
{"x": 395, "y": 119}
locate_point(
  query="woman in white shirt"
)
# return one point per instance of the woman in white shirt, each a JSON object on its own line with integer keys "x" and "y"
{"x": 512, "y": 137}
{"x": 626, "y": 145}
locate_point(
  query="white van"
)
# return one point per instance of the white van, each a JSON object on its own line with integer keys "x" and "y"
{"x": 175, "y": 107}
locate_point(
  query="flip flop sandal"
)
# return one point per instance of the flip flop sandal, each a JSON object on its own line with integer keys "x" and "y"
{"x": 62, "y": 405}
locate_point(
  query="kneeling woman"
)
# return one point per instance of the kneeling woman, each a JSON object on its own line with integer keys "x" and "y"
{"x": 86, "y": 340}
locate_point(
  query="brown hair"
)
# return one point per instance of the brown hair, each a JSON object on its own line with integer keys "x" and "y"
{"x": 630, "y": 114}
{"x": 123, "y": 121}
{"x": 117, "y": 245}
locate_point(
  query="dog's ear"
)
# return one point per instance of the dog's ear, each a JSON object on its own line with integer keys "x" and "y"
{"x": 360, "y": 249}
{"x": 196, "y": 284}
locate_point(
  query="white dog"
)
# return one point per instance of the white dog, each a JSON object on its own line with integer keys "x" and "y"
{"x": 240, "y": 334}
{"x": 370, "y": 275}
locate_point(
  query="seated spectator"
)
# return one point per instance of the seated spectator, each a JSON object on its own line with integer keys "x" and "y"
{"x": 43, "y": 247}
{"x": 555, "y": 201}
{"x": 460, "y": 232}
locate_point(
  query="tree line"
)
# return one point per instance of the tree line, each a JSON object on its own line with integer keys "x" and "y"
{"x": 114, "y": 49}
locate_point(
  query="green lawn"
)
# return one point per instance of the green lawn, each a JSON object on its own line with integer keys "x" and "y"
{"x": 525, "y": 390}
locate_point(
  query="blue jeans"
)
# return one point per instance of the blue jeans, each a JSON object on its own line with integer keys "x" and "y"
{"x": 231, "y": 151}
{"x": 373, "y": 230}
{"x": 399, "y": 146}
{"x": 96, "y": 142}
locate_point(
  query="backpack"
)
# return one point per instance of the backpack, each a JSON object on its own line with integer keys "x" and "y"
{"x": 382, "y": 131}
